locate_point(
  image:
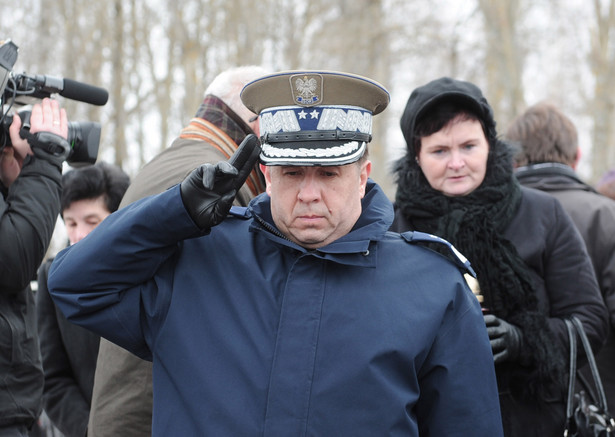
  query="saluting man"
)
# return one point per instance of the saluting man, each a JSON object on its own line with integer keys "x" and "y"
{"x": 300, "y": 314}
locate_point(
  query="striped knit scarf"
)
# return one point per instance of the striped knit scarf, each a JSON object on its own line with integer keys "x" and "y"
{"x": 220, "y": 126}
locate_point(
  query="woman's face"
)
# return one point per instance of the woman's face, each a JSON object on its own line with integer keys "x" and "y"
{"x": 454, "y": 159}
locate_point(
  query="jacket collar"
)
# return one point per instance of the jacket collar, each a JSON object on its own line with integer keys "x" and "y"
{"x": 551, "y": 176}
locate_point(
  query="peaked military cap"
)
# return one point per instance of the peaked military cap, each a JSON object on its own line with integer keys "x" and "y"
{"x": 314, "y": 117}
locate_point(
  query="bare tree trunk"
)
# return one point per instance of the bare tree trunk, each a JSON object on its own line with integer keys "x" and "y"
{"x": 117, "y": 95}
{"x": 379, "y": 68}
{"x": 602, "y": 60}
{"x": 504, "y": 58}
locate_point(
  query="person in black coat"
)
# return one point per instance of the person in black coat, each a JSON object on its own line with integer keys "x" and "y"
{"x": 456, "y": 181}
{"x": 29, "y": 205}
{"x": 69, "y": 352}
{"x": 546, "y": 160}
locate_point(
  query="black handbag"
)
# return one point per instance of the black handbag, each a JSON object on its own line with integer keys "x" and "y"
{"x": 585, "y": 418}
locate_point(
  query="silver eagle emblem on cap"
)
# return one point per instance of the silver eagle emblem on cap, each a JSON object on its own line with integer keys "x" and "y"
{"x": 307, "y": 89}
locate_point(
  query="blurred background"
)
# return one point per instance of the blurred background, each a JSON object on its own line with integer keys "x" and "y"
{"x": 156, "y": 58}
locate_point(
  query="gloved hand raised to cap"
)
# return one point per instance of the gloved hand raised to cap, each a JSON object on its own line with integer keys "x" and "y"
{"x": 208, "y": 192}
{"x": 505, "y": 339}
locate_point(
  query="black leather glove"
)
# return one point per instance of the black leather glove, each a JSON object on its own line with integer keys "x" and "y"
{"x": 208, "y": 192}
{"x": 48, "y": 146}
{"x": 505, "y": 339}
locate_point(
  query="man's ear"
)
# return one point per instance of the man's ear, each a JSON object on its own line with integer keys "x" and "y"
{"x": 577, "y": 159}
{"x": 366, "y": 169}
{"x": 265, "y": 171}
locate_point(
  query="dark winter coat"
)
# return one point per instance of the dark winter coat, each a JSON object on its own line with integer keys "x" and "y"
{"x": 251, "y": 334}
{"x": 515, "y": 233}
{"x": 28, "y": 214}
{"x": 69, "y": 371}
{"x": 547, "y": 240}
{"x": 594, "y": 216}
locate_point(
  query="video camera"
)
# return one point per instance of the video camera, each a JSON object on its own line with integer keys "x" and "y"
{"x": 22, "y": 89}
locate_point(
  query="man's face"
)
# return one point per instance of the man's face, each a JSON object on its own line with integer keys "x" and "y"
{"x": 314, "y": 206}
{"x": 82, "y": 216}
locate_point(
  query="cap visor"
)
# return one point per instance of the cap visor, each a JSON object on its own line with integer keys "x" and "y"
{"x": 319, "y": 153}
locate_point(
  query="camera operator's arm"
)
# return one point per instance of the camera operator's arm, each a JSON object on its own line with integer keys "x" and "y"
{"x": 30, "y": 203}
{"x": 42, "y": 119}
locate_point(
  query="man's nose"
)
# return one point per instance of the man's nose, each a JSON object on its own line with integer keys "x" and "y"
{"x": 309, "y": 190}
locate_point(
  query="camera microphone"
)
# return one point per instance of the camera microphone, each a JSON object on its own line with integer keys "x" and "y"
{"x": 23, "y": 89}
{"x": 71, "y": 89}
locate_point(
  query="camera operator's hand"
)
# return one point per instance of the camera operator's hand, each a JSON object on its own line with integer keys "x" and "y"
{"x": 46, "y": 116}
{"x": 208, "y": 192}
{"x": 49, "y": 132}
{"x": 505, "y": 339}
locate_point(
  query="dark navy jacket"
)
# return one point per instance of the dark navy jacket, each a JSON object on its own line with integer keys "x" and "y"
{"x": 252, "y": 335}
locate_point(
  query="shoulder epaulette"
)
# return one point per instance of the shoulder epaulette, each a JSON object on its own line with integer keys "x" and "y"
{"x": 457, "y": 257}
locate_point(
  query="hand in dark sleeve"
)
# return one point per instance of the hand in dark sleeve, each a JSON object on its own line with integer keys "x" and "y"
{"x": 29, "y": 212}
{"x": 505, "y": 339}
{"x": 208, "y": 192}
